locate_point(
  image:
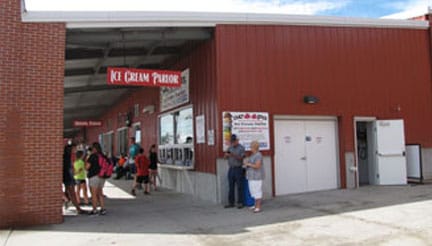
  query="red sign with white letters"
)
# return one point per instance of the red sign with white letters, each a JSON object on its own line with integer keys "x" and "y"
{"x": 87, "y": 123}
{"x": 143, "y": 77}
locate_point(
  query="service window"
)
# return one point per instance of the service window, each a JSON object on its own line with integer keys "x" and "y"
{"x": 176, "y": 137}
{"x": 184, "y": 126}
{"x": 166, "y": 123}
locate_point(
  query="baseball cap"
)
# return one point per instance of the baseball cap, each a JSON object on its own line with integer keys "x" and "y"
{"x": 234, "y": 138}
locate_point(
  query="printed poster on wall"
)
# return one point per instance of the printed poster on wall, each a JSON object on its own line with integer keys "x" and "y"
{"x": 200, "y": 129}
{"x": 248, "y": 126}
{"x": 173, "y": 97}
{"x": 210, "y": 137}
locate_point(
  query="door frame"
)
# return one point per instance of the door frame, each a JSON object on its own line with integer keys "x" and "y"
{"x": 367, "y": 119}
{"x": 310, "y": 118}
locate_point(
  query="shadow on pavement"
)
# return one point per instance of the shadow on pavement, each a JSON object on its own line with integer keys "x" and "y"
{"x": 166, "y": 211}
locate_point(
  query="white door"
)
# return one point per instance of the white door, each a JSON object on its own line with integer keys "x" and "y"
{"x": 290, "y": 157}
{"x": 305, "y": 156}
{"x": 321, "y": 155}
{"x": 390, "y": 153}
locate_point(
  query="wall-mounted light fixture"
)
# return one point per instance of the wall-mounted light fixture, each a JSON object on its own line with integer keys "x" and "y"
{"x": 128, "y": 120}
{"x": 310, "y": 99}
{"x": 149, "y": 109}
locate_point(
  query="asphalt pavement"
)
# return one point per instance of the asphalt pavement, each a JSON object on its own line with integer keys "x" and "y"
{"x": 370, "y": 215}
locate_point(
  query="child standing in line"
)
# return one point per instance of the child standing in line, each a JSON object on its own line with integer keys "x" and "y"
{"x": 142, "y": 164}
{"x": 153, "y": 166}
{"x": 80, "y": 177}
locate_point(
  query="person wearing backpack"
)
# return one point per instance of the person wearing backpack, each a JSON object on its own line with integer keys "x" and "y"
{"x": 96, "y": 165}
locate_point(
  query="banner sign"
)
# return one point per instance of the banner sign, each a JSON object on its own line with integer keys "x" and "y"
{"x": 87, "y": 123}
{"x": 143, "y": 77}
{"x": 248, "y": 126}
{"x": 173, "y": 97}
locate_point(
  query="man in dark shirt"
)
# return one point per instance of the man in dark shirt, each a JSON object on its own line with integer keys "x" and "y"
{"x": 235, "y": 155}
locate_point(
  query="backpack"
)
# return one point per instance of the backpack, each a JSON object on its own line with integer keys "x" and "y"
{"x": 106, "y": 167}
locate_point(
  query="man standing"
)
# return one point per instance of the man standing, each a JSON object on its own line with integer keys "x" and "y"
{"x": 133, "y": 152}
{"x": 235, "y": 155}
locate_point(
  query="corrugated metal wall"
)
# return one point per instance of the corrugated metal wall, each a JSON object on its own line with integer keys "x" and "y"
{"x": 111, "y": 122}
{"x": 202, "y": 63}
{"x": 353, "y": 71}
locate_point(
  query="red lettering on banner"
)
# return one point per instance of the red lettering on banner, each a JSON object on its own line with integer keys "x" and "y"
{"x": 143, "y": 77}
{"x": 87, "y": 123}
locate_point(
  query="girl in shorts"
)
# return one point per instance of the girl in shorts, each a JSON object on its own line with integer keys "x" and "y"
{"x": 96, "y": 183}
{"x": 153, "y": 166}
{"x": 80, "y": 177}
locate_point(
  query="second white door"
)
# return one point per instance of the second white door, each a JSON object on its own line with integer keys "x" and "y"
{"x": 305, "y": 156}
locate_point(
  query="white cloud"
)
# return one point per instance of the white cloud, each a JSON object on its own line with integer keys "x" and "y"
{"x": 252, "y": 6}
{"x": 409, "y": 9}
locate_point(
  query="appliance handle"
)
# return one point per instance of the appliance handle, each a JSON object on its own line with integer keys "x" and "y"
{"x": 391, "y": 154}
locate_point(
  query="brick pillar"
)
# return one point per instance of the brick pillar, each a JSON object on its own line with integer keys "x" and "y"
{"x": 31, "y": 119}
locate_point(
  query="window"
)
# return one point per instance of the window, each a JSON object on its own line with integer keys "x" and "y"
{"x": 107, "y": 143}
{"x": 122, "y": 141}
{"x": 176, "y": 137}
{"x": 184, "y": 126}
{"x": 136, "y": 110}
{"x": 166, "y": 129}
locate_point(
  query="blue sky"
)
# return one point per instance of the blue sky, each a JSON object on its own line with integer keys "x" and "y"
{"x": 351, "y": 8}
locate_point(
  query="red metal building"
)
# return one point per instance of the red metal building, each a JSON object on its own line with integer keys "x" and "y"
{"x": 328, "y": 86}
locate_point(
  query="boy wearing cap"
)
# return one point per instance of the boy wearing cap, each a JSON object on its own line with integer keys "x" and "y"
{"x": 235, "y": 155}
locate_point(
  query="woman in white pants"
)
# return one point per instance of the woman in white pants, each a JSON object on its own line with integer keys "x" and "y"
{"x": 255, "y": 175}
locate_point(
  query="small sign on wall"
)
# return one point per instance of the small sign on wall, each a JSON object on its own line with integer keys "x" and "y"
{"x": 200, "y": 129}
{"x": 211, "y": 137}
{"x": 173, "y": 97}
{"x": 87, "y": 123}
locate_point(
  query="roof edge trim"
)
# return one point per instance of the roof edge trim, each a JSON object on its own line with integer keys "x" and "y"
{"x": 91, "y": 19}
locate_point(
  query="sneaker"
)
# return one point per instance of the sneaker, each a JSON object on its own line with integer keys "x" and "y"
{"x": 102, "y": 211}
{"x": 257, "y": 210}
{"x": 133, "y": 192}
{"x": 93, "y": 213}
{"x": 82, "y": 212}
{"x": 252, "y": 208}
{"x": 229, "y": 206}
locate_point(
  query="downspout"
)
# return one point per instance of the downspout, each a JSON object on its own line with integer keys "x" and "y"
{"x": 23, "y": 8}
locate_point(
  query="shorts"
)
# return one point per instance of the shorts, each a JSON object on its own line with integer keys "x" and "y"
{"x": 96, "y": 182}
{"x": 141, "y": 179}
{"x": 132, "y": 168}
{"x": 80, "y": 181}
{"x": 255, "y": 188}
{"x": 68, "y": 179}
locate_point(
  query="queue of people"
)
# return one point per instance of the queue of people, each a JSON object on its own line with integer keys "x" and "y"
{"x": 80, "y": 166}
{"x": 143, "y": 171}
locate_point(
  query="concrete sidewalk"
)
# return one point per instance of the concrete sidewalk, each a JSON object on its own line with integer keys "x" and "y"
{"x": 396, "y": 215}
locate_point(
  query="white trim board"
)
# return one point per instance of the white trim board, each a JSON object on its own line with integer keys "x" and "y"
{"x": 304, "y": 117}
{"x": 106, "y": 19}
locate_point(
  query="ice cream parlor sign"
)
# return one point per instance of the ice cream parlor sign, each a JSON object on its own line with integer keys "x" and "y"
{"x": 248, "y": 126}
